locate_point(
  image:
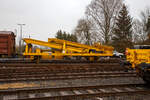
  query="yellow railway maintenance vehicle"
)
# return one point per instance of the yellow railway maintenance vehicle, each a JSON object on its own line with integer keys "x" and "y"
{"x": 61, "y": 49}
{"x": 139, "y": 58}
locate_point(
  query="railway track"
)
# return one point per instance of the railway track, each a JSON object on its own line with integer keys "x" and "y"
{"x": 26, "y": 60}
{"x": 69, "y": 70}
{"x": 61, "y": 67}
{"x": 62, "y": 76}
{"x": 75, "y": 93}
{"x": 24, "y": 72}
{"x": 28, "y": 72}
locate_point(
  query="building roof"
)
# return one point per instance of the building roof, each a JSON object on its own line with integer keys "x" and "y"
{"x": 6, "y": 32}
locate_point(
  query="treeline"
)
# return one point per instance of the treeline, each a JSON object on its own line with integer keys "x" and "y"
{"x": 109, "y": 22}
{"x": 66, "y": 36}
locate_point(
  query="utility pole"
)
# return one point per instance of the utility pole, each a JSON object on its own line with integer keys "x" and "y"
{"x": 20, "y": 40}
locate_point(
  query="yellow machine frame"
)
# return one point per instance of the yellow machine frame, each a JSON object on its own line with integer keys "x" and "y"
{"x": 138, "y": 56}
{"x": 66, "y": 48}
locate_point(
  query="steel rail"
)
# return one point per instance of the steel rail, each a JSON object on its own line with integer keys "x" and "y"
{"x": 48, "y": 89}
{"x": 65, "y": 76}
{"x": 103, "y": 93}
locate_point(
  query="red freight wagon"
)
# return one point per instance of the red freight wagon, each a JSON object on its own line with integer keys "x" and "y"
{"x": 7, "y": 43}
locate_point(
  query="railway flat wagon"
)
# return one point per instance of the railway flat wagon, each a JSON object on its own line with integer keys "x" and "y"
{"x": 7, "y": 44}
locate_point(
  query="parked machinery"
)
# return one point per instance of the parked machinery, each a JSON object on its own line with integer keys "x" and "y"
{"x": 139, "y": 58}
{"x": 7, "y": 44}
{"x": 61, "y": 49}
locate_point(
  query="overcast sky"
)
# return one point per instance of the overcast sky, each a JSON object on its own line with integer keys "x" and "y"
{"x": 43, "y": 18}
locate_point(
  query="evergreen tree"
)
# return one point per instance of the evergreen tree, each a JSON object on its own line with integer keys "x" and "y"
{"x": 73, "y": 38}
{"x": 122, "y": 33}
{"x": 59, "y": 34}
{"x": 66, "y": 36}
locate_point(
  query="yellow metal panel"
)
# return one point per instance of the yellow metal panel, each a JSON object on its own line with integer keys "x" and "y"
{"x": 138, "y": 56}
{"x": 52, "y": 45}
{"x": 96, "y": 46}
{"x": 68, "y": 43}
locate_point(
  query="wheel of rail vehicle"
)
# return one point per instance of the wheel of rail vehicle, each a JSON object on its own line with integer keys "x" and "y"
{"x": 37, "y": 59}
{"x": 78, "y": 57}
{"x": 146, "y": 77}
{"x": 144, "y": 72}
{"x": 126, "y": 65}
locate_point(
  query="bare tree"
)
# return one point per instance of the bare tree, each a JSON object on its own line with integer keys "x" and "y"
{"x": 144, "y": 16}
{"x": 144, "y": 19}
{"x": 141, "y": 27}
{"x": 139, "y": 35}
{"x": 84, "y": 32}
{"x": 103, "y": 13}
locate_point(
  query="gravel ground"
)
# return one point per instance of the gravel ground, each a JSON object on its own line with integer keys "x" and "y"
{"x": 86, "y": 82}
{"x": 94, "y": 81}
{"x": 77, "y": 82}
